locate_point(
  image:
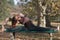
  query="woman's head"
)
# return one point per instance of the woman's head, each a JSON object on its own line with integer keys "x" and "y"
{"x": 17, "y": 16}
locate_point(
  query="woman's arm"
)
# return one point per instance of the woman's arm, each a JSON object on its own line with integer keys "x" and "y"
{"x": 4, "y": 23}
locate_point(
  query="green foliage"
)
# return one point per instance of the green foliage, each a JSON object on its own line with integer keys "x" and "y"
{"x": 29, "y": 10}
{"x": 11, "y": 2}
{"x": 55, "y": 18}
{"x": 3, "y": 9}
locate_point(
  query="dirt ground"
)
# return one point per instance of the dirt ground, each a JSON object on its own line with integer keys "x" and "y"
{"x": 31, "y": 36}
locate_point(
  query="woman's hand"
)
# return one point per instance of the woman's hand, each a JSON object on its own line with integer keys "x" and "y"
{"x": 3, "y": 28}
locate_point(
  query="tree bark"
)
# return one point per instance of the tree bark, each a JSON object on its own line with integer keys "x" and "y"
{"x": 38, "y": 13}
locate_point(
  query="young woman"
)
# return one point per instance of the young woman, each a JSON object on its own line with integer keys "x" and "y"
{"x": 28, "y": 25}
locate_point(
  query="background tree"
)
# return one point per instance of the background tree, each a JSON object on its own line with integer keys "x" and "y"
{"x": 3, "y": 9}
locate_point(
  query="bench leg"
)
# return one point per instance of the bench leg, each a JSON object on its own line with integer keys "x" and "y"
{"x": 51, "y": 38}
{"x": 11, "y": 36}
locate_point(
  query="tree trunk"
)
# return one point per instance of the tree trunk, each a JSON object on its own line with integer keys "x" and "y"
{"x": 37, "y": 8}
{"x": 38, "y": 13}
{"x": 48, "y": 21}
